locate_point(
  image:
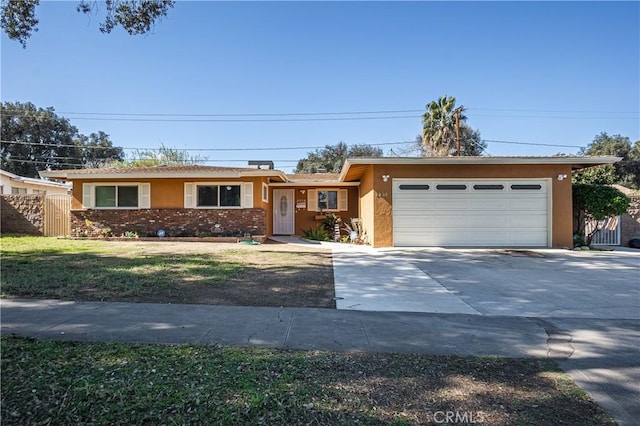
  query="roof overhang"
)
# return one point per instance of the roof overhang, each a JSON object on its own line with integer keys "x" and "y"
{"x": 321, "y": 184}
{"x": 78, "y": 175}
{"x": 34, "y": 181}
{"x": 353, "y": 168}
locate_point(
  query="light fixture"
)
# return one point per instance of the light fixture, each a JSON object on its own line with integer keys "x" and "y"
{"x": 228, "y": 187}
{"x": 385, "y": 178}
{"x": 562, "y": 177}
{"x": 302, "y": 191}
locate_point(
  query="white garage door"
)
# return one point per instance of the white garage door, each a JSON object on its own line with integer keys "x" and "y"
{"x": 452, "y": 212}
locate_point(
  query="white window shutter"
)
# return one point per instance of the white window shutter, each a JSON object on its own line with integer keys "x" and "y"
{"x": 145, "y": 196}
{"x": 247, "y": 195}
{"x": 87, "y": 195}
{"x": 312, "y": 200}
{"x": 342, "y": 200}
{"x": 189, "y": 189}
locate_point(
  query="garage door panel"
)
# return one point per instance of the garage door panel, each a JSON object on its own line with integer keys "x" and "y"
{"x": 441, "y": 204}
{"x": 488, "y": 205}
{"x": 529, "y": 221}
{"x": 480, "y": 215}
{"x": 480, "y": 221}
{"x": 536, "y": 205}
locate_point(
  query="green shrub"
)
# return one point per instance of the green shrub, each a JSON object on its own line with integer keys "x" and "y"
{"x": 318, "y": 233}
{"x": 596, "y": 203}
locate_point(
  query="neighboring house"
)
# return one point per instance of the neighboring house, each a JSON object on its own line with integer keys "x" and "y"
{"x": 11, "y": 184}
{"x": 452, "y": 201}
{"x": 630, "y": 222}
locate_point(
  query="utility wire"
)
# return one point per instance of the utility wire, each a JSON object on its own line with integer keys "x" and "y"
{"x": 281, "y": 114}
{"x": 193, "y": 149}
{"x": 284, "y": 148}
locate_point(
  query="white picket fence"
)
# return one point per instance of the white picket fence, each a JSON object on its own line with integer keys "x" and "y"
{"x": 609, "y": 233}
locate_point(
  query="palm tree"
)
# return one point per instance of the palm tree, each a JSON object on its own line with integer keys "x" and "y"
{"x": 439, "y": 127}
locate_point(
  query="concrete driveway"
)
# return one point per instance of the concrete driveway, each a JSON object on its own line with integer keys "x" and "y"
{"x": 530, "y": 283}
{"x": 588, "y": 303}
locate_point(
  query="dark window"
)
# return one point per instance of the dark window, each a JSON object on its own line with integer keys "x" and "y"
{"x": 116, "y": 196}
{"x": 127, "y": 196}
{"x": 219, "y": 196}
{"x": 414, "y": 187}
{"x": 208, "y": 196}
{"x": 525, "y": 187}
{"x": 328, "y": 200}
{"x": 487, "y": 187}
{"x": 451, "y": 187}
{"x": 230, "y": 196}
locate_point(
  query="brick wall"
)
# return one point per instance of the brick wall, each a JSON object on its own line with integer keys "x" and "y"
{"x": 22, "y": 214}
{"x": 630, "y": 222}
{"x": 175, "y": 222}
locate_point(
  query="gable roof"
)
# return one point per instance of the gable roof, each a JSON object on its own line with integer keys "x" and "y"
{"x": 353, "y": 168}
{"x": 178, "y": 171}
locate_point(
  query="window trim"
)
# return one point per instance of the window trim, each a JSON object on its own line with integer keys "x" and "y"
{"x": 314, "y": 204}
{"x": 89, "y": 195}
{"x": 328, "y": 209}
{"x": 218, "y": 184}
{"x": 116, "y": 185}
{"x": 265, "y": 192}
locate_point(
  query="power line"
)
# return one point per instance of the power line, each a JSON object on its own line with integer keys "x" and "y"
{"x": 286, "y": 148}
{"x": 195, "y": 149}
{"x": 276, "y": 114}
{"x": 530, "y": 143}
{"x": 203, "y": 160}
{"x": 283, "y": 114}
{"x": 239, "y": 120}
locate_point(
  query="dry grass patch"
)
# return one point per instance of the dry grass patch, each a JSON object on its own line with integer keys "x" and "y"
{"x": 111, "y": 383}
{"x": 172, "y": 272}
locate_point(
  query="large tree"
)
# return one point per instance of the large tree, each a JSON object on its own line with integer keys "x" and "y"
{"x": 34, "y": 139}
{"x": 331, "y": 158}
{"x": 626, "y": 172}
{"x": 18, "y": 17}
{"x": 439, "y": 131}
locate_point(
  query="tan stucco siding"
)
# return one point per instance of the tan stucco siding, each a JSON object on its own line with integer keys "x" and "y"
{"x": 367, "y": 207}
{"x": 169, "y": 193}
{"x": 561, "y": 204}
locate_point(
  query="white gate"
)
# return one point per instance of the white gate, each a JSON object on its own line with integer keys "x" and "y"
{"x": 57, "y": 215}
{"x": 609, "y": 233}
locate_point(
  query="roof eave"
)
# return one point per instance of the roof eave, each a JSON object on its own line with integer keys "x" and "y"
{"x": 315, "y": 184}
{"x": 575, "y": 162}
{"x": 69, "y": 175}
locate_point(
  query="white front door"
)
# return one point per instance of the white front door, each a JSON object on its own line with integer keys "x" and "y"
{"x": 283, "y": 212}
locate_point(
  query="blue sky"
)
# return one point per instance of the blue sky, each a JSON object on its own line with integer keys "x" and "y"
{"x": 537, "y": 73}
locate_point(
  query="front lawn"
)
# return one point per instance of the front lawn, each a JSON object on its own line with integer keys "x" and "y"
{"x": 46, "y": 382}
{"x": 206, "y": 273}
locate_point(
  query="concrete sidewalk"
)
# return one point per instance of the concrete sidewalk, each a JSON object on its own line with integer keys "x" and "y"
{"x": 285, "y": 328}
{"x": 600, "y": 355}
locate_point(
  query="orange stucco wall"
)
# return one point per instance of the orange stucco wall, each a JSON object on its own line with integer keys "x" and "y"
{"x": 367, "y": 201}
{"x": 169, "y": 193}
{"x": 305, "y": 219}
{"x": 376, "y": 195}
